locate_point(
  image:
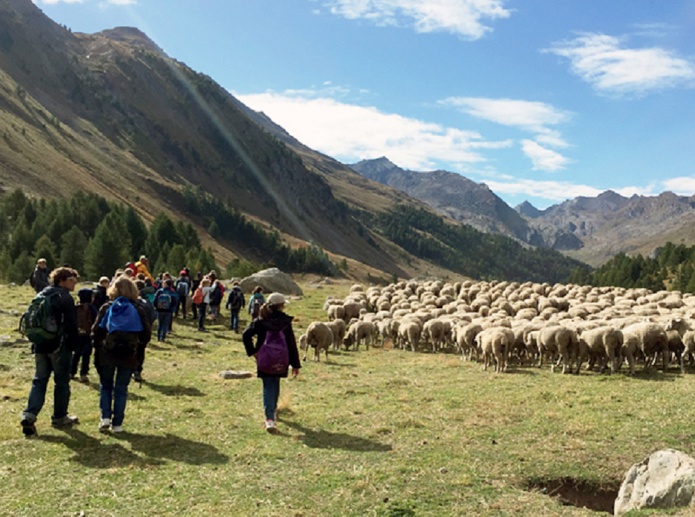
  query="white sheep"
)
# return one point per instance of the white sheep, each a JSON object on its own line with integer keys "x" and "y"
{"x": 338, "y": 329}
{"x": 360, "y": 332}
{"x": 494, "y": 343}
{"x": 319, "y": 337}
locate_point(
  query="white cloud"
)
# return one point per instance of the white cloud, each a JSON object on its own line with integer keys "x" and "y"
{"x": 462, "y": 17}
{"x": 683, "y": 185}
{"x": 535, "y": 117}
{"x": 351, "y": 133}
{"x": 603, "y": 62}
{"x": 560, "y": 190}
{"x": 542, "y": 158}
{"x": 528, "y": 115}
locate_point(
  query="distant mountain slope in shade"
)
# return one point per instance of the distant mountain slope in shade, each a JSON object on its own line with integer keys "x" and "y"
{"x": 453, "y": 195}
{"x": 591, "y": 229}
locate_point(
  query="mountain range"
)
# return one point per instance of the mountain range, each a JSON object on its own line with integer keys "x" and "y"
{"x": 111, "y": 113}
{"x": 590, "y": 229}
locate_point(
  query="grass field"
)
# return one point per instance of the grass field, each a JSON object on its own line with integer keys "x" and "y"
{"x": 381, "y": 432}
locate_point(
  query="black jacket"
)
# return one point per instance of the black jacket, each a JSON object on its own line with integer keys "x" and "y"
{"x": 277, "y": 321}
{"x": 39, "y": 279}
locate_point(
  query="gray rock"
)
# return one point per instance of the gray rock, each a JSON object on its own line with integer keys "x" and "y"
{"x": 666, "y": 479}
{"x": 231, "y": 374}
{"x": 272, "y": 281}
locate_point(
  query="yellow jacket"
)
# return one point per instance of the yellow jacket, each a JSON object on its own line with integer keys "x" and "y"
{"x": 142, "y": 268}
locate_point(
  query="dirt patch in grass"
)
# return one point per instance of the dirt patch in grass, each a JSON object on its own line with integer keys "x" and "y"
{"x": 577, "y": 492}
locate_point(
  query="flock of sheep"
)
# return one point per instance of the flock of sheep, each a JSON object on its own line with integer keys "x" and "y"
{"x": 511, "y": 322}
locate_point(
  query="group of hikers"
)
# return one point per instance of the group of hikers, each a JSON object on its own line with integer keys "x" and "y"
{"x": 116, "y": 318}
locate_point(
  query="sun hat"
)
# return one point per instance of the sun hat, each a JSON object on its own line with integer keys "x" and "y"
{"x": 276, "y": 299}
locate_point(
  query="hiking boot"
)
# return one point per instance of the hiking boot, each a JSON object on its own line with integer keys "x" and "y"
{"x": 104, "y": 424}
{"x": 137, "y": 376}
{"x": 270, "y": 426}
{"x": 66, "y": 421}
{"x": 28, "y": 428}
{"x": 117, "y": 429}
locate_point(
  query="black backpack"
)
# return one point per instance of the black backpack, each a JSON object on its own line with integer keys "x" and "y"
{"x": 235, "y": 299}
{"x": 216, "y": 296}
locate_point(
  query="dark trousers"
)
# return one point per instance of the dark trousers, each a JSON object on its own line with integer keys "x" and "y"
{"x": 84, "y": 352}
{"x": 202, "y": 309}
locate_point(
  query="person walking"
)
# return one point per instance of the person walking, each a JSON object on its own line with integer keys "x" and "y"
{"x": 165, "y": 301}
{"x": 86, "y": 315}
{"x": 121, "y": 328}
{"x": 183, "y": 289}
{"x": 55, "y": 355}
{"x": 39, "y": 277}
{"x": 256, "y": 302}
{"x": 235, "y": 301}
{"x": 275, "y": 350}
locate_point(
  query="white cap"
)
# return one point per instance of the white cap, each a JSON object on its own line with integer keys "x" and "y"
{"x": 276, "y": 299}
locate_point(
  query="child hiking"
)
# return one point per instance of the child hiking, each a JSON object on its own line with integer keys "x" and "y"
{"x": 275, "y": 351}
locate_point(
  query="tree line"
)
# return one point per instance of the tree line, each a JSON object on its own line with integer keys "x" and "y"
{"x": 670, "y": 267}
{"x": 96, "y": 237}
{"x": 464, "y": 249}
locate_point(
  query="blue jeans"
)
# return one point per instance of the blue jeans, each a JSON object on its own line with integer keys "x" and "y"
{"x": 164, "y": 319}
{"x": 271, "y": 393}
{"x": 113, "y": 397}
{"x": 234, "y": 319}
{"x": 58, "y": 363}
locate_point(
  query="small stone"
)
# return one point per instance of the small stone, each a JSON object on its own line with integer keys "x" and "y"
{"x": 443, "y": 470}
{"x": 233, "y": 374}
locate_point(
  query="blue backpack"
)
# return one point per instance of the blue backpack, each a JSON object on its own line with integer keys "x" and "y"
{"x": 164, "y": 301}
{"x": 273, "y": 357}
{"x": 123, "y": 323}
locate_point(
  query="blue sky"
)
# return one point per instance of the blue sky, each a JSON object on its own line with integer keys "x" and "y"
{"x": 542, "y": 100}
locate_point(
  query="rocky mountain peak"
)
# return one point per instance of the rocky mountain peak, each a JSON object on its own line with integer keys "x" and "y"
{"x": 132, "y": 36}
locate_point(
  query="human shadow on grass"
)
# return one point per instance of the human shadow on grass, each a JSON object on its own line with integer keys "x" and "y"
{"x": 174, "y": 448}
{"x": 173, "y": 390}
{"x": 320, "y": 439}
{"x": 93, "y": 453}
{"x": 96, "y": 386}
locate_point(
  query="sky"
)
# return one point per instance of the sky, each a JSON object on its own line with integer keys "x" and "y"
{"x": 541, "y": 100}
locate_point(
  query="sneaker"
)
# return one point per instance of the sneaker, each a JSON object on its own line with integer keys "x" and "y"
{"x": 270, "y": 426}
{"x": 117, "y": 429}
{"x": 104, "y": 424}
{"x": 66, "y": 421}
{"x": 28, "y": 428}
{"x": 84, "y": 379}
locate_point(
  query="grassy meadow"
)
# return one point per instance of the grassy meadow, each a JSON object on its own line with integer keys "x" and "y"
{"x": 382, "y": 432}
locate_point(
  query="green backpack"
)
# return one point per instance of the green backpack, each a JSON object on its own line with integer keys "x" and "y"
{"x": 38, "y": 323}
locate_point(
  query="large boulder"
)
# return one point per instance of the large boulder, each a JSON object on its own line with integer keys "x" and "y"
{"x": 272, "y": 281}
{"x": 666, "y": 479}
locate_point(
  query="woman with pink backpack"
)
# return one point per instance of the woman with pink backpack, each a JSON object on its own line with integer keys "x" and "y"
{"x": 275, "y": 351}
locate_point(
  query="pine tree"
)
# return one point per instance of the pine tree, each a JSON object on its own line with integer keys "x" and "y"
{"x": 73, "y": 245}
{"x": 46, "y": 248}
{"x": 138, "y": 231}
{"x": 109, "y": 249}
